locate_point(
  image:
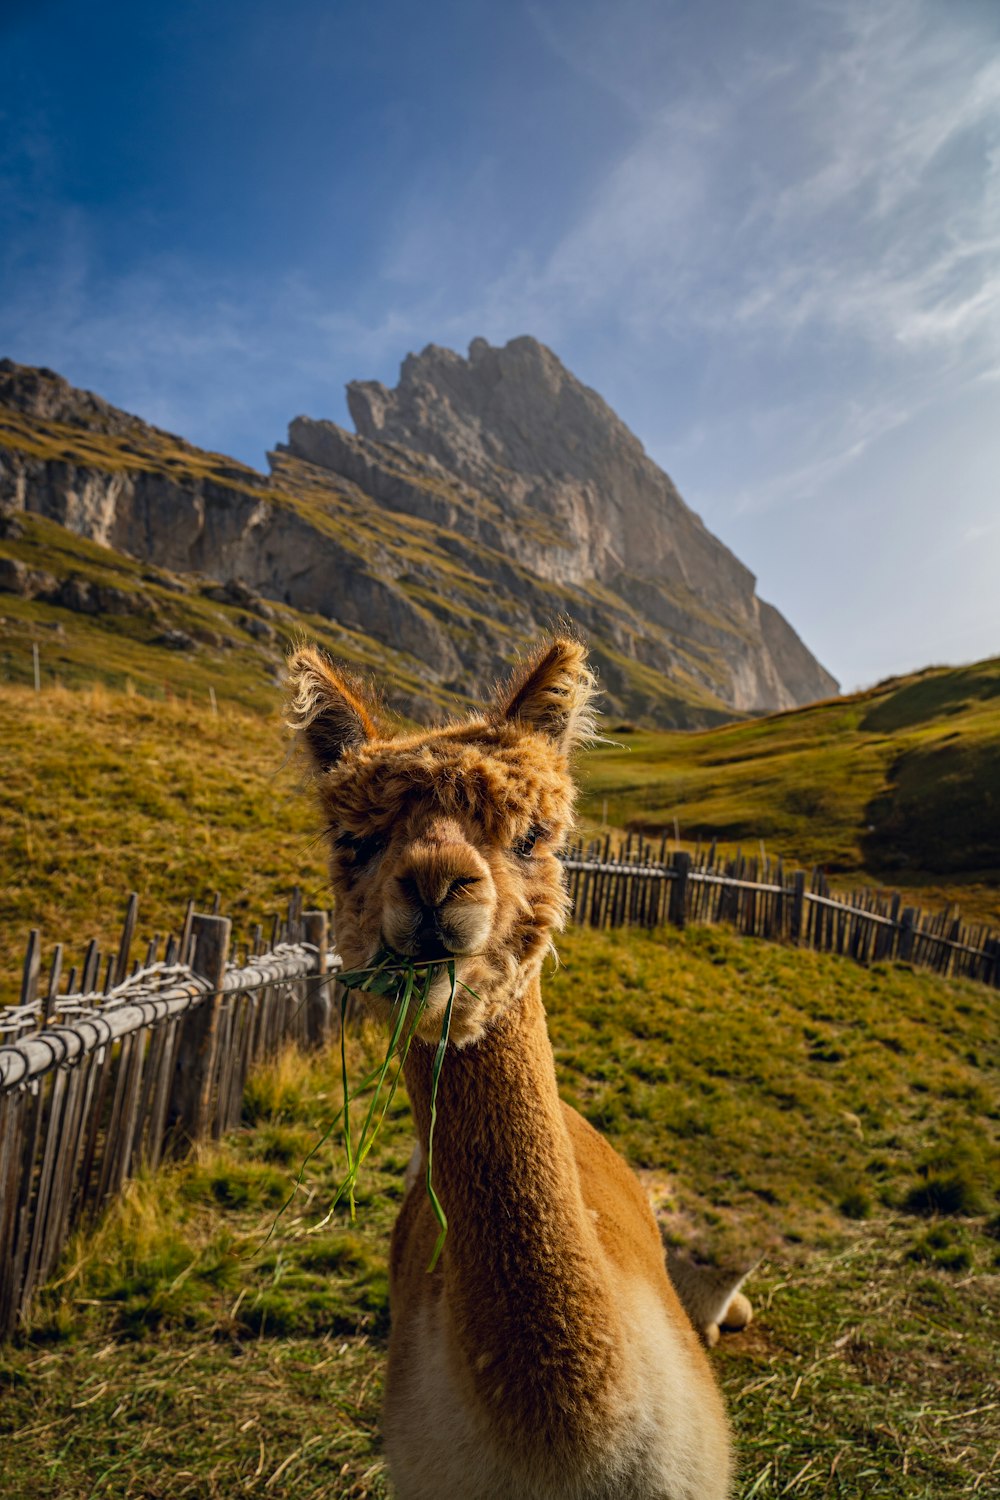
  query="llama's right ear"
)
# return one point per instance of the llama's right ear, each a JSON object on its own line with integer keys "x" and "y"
{"x": 326, "y": 707}
{"x": 552, "y": 692}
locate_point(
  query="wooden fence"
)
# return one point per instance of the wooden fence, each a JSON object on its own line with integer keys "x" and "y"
{"x": 641, "y": 884}
{"x": 125, "y": 1059}
{"x": 129, "y": 1060}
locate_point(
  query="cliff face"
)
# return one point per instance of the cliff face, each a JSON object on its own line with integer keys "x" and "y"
{"x": 477, "y": 505}
{"x": 514, "y": 423}
{"x": 517, "y": 425}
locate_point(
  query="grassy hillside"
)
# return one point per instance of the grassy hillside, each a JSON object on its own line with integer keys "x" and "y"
{"x": 110, "y": 791}
{"x": 232, "y": 649}
{"x": 842, "y": 1123}
{"x": 900, "y": 783}
{"x": 105, "y": 792}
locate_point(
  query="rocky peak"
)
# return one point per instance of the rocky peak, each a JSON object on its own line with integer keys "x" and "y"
{"x": 480, "y": 501}
{"x": 512, "y": 408}
{"x": 517, "y": 424}
{"x": 46, "y": 396}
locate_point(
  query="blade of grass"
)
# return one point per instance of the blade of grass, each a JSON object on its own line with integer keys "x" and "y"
{"x": 391, "y": 1094}
{"x": 381, "y": 976}
{"x": 403, "y": 1004}
{"x": 367, "y": 1137}
{"x": 377, "y": 1077}
{"x": 346, "y": 1111}
{"x": 362, "y": 979}
{"x": 442, "y": 1047}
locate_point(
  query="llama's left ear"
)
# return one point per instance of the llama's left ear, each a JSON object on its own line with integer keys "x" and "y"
{"x": 553, "y": 694}
{"x": 326, "y": 706}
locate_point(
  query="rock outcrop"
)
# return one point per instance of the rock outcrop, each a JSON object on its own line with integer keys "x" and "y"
{"x": 517, "y": 426}
{"x": 478, "y": 503}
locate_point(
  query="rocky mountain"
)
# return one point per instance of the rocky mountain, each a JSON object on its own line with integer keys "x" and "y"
{"x": 477, "y": 504}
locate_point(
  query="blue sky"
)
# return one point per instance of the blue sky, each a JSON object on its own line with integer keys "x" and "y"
{"x": 767, "y": 231}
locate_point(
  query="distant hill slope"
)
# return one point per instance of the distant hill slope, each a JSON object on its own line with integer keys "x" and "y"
{"x": 904, "y": 777}
{"x": 105, "y": 792}
{"x": 480, "y": 502}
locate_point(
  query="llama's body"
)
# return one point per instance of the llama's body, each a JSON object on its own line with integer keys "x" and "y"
{"x": 547, "y": 1356}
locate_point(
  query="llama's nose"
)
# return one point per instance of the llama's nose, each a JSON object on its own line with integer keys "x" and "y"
{"x": 429, "y": 944}
{"x": 440, "y": 903}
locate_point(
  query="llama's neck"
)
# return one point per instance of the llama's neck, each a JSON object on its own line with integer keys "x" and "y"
{"x": 524, "y": 1279}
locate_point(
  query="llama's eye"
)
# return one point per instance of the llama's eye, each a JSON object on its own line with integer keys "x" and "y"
{"x": 363, "y": 849}
{"x": 523, "y": 847}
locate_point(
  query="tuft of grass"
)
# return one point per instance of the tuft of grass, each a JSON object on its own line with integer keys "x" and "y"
{"x": 944, "y": 1193}
{"x": 942, "y": 1246}
{"x": 856, "y": 1204}
{"x": 279, "y": 1094}
{"x": 956, "y": 1176}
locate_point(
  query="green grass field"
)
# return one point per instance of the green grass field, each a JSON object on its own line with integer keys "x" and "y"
{"x": 842, "y": 1123}
{"x": 120, "y": 792}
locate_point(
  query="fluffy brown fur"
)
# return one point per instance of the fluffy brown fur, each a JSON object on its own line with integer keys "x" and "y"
{"x": 547, "y": 1356}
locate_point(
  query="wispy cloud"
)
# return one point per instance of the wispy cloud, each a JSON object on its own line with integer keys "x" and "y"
{"x": 858, "y": 196}
{"x": 779, "y": 197}
{"x": 831, "y": 206}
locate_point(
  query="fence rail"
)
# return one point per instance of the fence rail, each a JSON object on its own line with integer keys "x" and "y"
{"x": 641, "y": 884}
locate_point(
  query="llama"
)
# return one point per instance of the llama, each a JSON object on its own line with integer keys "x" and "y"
{"x": 547, "y": 1356}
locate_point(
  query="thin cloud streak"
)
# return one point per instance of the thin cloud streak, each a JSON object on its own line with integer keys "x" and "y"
{"x": 667, "y": 231}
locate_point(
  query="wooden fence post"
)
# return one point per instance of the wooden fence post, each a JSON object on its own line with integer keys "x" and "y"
{"x": 678, "y": 888}
{"x": 906, "y": 921}
{"x": 32, "y": 969}
{"x": 992, "y": 971}
{"x": 798, "y": 904}
{"x": 127, "y": 937}
{"x": 318, "y": 1003}
{"x": 189, "y": 1111}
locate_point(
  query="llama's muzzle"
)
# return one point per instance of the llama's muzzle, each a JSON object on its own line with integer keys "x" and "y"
{"x": 441, "y": 902}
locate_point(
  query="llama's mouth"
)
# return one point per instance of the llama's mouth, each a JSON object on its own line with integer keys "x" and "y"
{"x": 397, "y": 979}
{"x": 388, "y": 973}
{"x": 428, "y": 975}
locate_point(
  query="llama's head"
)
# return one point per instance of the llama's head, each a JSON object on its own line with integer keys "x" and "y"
{"x": 443, "y": 843}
